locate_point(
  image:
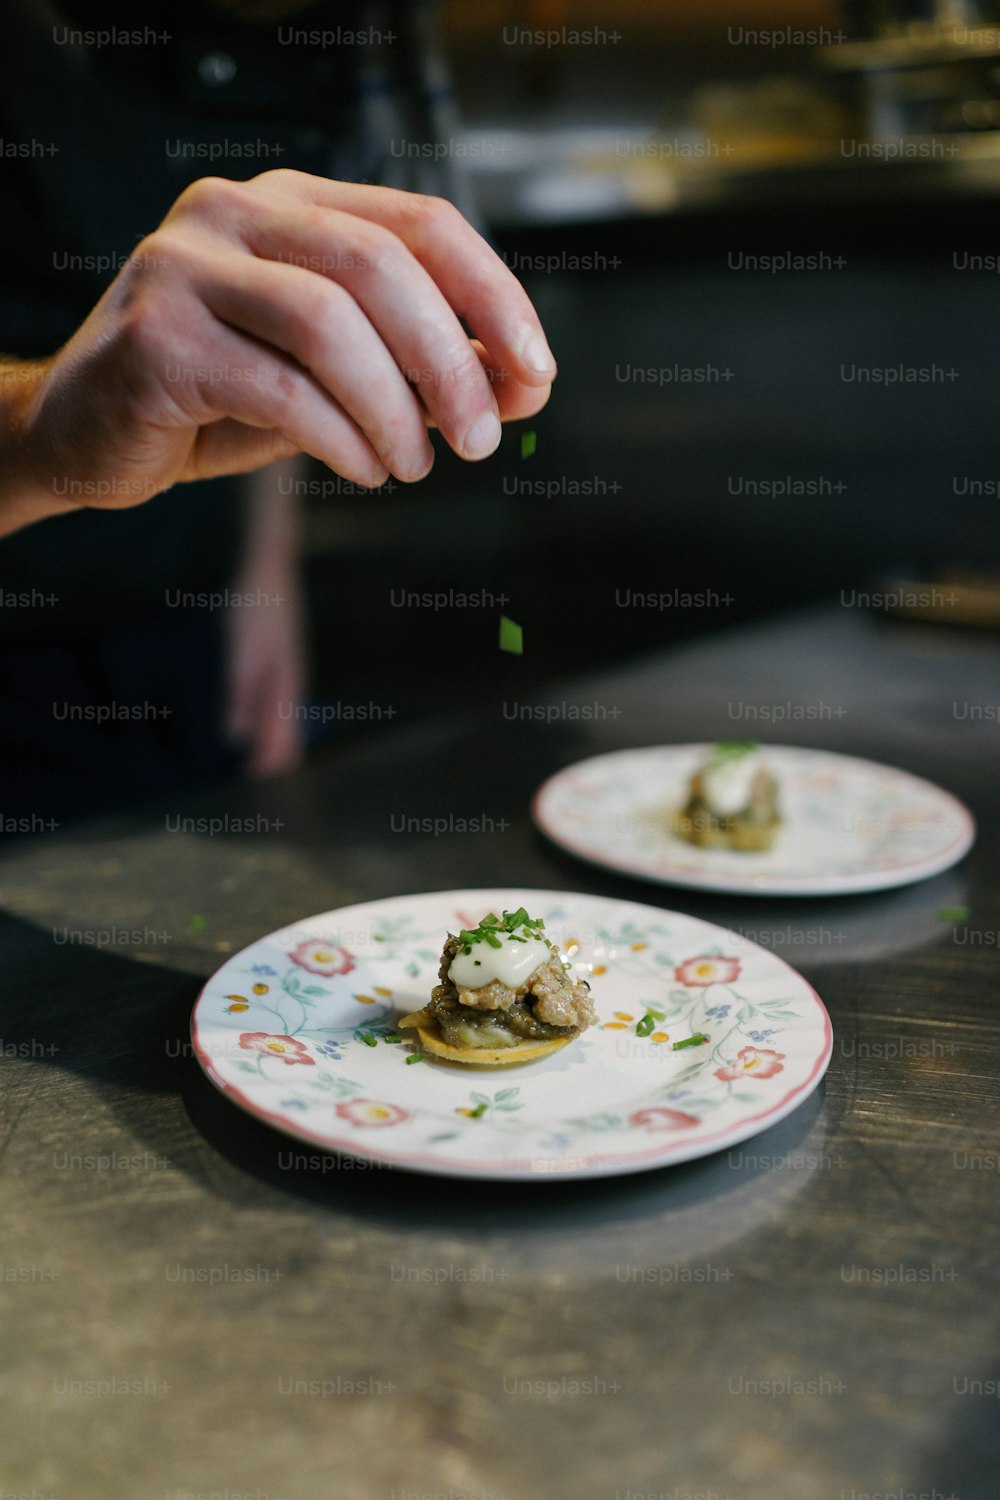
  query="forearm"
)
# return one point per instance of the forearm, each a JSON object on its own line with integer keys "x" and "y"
{"x": 272, "y": 530}
{"x": 26, "y": 494}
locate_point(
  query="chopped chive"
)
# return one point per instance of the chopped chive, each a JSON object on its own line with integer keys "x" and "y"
{"x": 645, "y": 1026}
{"x": 369, "y": 1041}
{"x": 480, "y": 1109}
{"x": 414, "y": 1057}
{"x": 691, "y": 1041}
{"x": 511, "y": 636}
{"x": 391, "y": 1036}
{"x": 492, "y": 939}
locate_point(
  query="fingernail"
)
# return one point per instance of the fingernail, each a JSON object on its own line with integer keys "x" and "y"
{"x": 483, "y": 437}
{"x": 420, "y": 469}
{"x": 538, "y": 356}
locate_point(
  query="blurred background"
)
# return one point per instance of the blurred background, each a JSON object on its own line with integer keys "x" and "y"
{"x": 723, "y": 211}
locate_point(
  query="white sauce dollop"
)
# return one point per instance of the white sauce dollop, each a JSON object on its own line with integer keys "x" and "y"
{"x": 512, "y": 963}
{"x": 727, "y": 786}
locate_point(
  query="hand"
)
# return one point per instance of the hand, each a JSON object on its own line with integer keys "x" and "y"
{"x": 285, "y": 314}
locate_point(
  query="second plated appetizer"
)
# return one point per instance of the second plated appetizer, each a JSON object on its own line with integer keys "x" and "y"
{"x": 505, "y": 996}
{"x": 732, "y": 801}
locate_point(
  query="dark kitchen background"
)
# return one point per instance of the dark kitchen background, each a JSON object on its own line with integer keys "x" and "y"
{"x": 630, "y": 177}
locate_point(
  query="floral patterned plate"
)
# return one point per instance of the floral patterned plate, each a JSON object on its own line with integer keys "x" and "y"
{"x": 849, "y": 825}
{"x": 299, "y": 1030}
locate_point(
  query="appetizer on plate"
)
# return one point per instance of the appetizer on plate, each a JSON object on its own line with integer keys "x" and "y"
{"x": 506, "y": 996}
{"x": 732, "y": 801}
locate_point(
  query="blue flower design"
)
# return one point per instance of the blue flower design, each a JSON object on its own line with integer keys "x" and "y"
{"x": 762, "y": 1036}
{"x": 294, "y": 1104}
{"x": 330, "y": 1049}
{"x": 718, "y": 1012}
{"x": 262, "y": 969}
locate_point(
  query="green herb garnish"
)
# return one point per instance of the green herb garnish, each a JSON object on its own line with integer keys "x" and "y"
{"x": 369, "y": 1041}
{"x": 493, "y": 929}
{"x": 414, "y": 1057}
{"x": 645, "y": 1026}
{"x": 391, "y": 1036}
{"x": 691, "y": 1041}
{"x": 479, "y": 1110}
{"x": 724, "y": 751}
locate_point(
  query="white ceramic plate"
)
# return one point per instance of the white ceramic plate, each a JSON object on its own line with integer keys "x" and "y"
{"x": 849, "y": 825}
{"x": 281, "y": 1030}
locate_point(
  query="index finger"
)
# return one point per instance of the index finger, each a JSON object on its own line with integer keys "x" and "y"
{"x": 473, "y": 278}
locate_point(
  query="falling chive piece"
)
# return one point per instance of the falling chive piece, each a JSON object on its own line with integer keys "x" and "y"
{"x": 690, "y": 1041}
{"x": 529, "y": 442}
{"x": 511, "y": 636}
{"x": 953, "y": 914}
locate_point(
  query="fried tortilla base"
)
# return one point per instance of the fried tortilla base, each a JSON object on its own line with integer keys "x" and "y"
{"x": 432, "y": 1041}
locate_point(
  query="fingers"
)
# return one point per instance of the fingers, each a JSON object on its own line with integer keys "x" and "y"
{"x": 515, "y": 400}
{"x": 324, "y": 329}
{"x": 401, "y": 301}
{"x": 259, "y": 388}
{"x": 475, "y": 281}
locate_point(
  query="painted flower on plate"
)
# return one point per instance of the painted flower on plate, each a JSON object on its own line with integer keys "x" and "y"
{"x": 752, "y": 1062}
{"x": 285, "y": 1047}
{"x": 318, "y": 957}
{"x": 663, "y": 1119}
{"x": 371, "y": 1112}
{"x": 705, "y": 970}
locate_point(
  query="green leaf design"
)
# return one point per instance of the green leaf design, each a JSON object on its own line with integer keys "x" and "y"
{"x": 506, "y": 1094}
{"x": 689, "y": 1072}
{"x": 745, "y": 1012}
{"x": 313, "y": 989}
{"x": 597, "y": 1122}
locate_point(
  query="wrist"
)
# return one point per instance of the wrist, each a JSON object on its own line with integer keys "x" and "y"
{"x": 27, "y": 492}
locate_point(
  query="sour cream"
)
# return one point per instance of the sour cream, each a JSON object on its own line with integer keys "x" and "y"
{"x": 727, "y": 786}
{"x": 512, "y": 963}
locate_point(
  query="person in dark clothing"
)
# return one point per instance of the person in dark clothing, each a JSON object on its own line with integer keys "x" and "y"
{"x": 167, "y": 334}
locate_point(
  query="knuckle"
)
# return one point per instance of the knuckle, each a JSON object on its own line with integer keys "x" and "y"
{"x": 210, "y": 196}
{"x": 425, "y": 211}
{"x": 280, "y": 178}
{"x": 147, "y": 335}
{"x": 380, "y": 252}
{"x": 315, "y": 322}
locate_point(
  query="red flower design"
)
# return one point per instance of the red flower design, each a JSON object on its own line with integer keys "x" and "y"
{"x": 285, "y": 1047}
{"x": 705, "y": 970}
{"x": 318, "y": 957}
{"x": 751, "y": 1063}
{"x": 663, "y": 1119}
{"x": 371, "y": 1112}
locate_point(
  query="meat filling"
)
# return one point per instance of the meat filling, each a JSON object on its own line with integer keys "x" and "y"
{"x": 550, "y": 1004}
